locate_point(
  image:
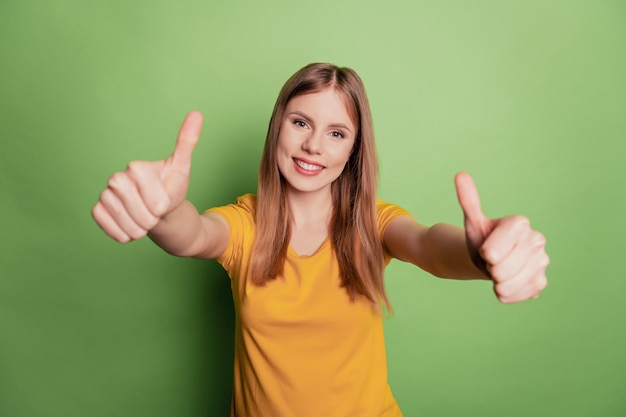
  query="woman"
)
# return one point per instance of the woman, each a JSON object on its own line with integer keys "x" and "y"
{"x": 306, "y": 255}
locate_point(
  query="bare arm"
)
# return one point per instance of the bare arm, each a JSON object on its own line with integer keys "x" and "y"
{"x": 149, "y": 198}
{"x": 506, "y": 250}
{"x": 440, "y": 249}
{"x": 184, "y": 232}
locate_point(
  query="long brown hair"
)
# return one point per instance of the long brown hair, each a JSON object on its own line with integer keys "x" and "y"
{"x": 354, "y": 234}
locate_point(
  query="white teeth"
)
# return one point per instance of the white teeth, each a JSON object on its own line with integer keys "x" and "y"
{"x": 308, "y": 167}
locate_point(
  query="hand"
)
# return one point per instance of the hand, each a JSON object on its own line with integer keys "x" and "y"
{"x": 507, "y": 250}
{"x": 136, "y": 199}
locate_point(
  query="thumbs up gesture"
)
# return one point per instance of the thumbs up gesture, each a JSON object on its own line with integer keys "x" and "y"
{"x": 136, "y": 199}
{"x": 508, "y": 250}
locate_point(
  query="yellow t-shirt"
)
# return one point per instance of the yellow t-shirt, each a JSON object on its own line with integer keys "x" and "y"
{"x": 302, "y": 348}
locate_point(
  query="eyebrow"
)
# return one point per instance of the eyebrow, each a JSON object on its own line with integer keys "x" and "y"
{"x": 335, "y": 125}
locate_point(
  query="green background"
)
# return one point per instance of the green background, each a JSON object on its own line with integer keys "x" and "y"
{"x": 528, "y": 96}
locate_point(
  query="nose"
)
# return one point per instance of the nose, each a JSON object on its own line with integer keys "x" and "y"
{"x": 313, "y": 143}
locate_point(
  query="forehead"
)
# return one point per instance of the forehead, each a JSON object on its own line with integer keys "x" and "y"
{"x": 329, "y": 104}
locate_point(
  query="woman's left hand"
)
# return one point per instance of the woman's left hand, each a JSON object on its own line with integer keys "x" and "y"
{"x": 507, "y": 250}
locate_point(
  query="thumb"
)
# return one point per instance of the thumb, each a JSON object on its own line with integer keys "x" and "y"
{"x": 188, "y": 135}
{"x": 470, "y": 201}
{"x": 178, "y": 165}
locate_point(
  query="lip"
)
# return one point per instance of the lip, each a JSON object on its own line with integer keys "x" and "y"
{"x": 303, "y": 171}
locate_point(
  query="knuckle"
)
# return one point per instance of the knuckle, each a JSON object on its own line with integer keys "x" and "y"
{"x": 520, "y": 221}
{"x": 497, "y": 273}
{"x": 95, "y": 211}
{"x": 158, "y": 206}
{"x": 99, "y": 215}
{"x": 118, "y": 211}
{"x": 536, "y": 286}
{"x": 107, "y": 197}
{"x": 117, "y": 180}
{"x": 538, "y": 238}
{"x": 488, "y": 254}
{"x": 124, "y": 238}
{"x": 137, "y": 233}
{"x": 133, "y": 165}
{"x": 114, "y": 206}
{"x": 136, "y": 167}
{"x": 504, "y": 291}
{"x": 152, "y": 222}
{"x": 147, "y": 222}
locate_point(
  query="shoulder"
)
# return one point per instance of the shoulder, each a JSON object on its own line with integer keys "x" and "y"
{"x": 240, "y": 219}
{"x": 239, "y": 215}
{"x": 243, "y": 205}
{"x": 387, "y": 212}
{"x": 246, "y": 203}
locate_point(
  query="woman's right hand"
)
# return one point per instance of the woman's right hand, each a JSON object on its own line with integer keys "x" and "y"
{"x": 136, "y": 199}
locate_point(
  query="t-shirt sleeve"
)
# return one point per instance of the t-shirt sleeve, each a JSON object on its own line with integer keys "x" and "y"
{"x": 385, "y": 214}
{"x": 240, "y": 219}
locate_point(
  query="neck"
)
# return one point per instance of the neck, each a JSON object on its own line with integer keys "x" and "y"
{"x": 309, "y": 208}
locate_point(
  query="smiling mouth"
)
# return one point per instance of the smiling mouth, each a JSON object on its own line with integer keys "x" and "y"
{"x": 306, "y": 166}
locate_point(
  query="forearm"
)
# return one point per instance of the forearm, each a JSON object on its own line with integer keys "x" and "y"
{"x": 179, "y": 232}
{"x": 446, "y": 248}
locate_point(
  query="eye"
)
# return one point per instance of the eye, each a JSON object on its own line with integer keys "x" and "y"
{"x": 300, "y": 123}
{"x": 337, "y": 134}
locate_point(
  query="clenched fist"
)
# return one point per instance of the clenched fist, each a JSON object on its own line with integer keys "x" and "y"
{"x": 507, "y": 249}
{"x": 136, "y": 199}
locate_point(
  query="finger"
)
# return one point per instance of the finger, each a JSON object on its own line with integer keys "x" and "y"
{"x": 187, "y": 138}
{"x": 530, "y": 289}
{"x": 126, "y": 191}
{"x": 116, "y": 209}
{"x": 528, "y": 283}
{"x": 148, "y": 183}
{"x": 108, "y": 224}
{"x": 528, "y": 254}
{"x": 509, "y": 267}
{"x": 468, "y": 198}
{"x": 509, "y": 235}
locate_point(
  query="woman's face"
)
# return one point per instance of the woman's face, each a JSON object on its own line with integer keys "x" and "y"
{"x": 315, "y": 141}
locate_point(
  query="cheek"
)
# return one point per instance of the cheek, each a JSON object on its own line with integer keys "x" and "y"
{"x": 350, "y": 149}
{"x": 343, "y": 157}
{"x": 281, "y": 143}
